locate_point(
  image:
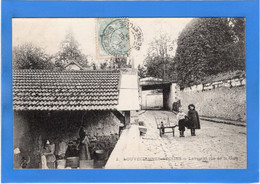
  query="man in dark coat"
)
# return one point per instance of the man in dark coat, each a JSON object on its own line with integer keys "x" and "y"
{"x": 194, "y": 119}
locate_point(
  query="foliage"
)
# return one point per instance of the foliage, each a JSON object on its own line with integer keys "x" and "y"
{"x": 28, "y": 56}
{"x": 121, "y": 62}
{"x": 115, "y": 62}
{"x": 159, "y": 61}
{"x": 208, "y": 46}
{"x": 69, "y": 51}
{"x": 103, "y": 66}
{"x": 141, "y": 71}
{"x": 160, "y": 67}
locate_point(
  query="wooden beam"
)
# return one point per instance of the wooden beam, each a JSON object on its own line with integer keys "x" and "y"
{"x": 123, "y": 119}
{"x": 155, "y": 86}
{"x": 119, "y": 116}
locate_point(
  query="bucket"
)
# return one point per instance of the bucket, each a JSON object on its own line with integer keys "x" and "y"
{"x": 99, "y": 164}
{"x": 100, "y": 154}
{"x": 86, "y": 164}
{"x": 61, "y": 164}
{"x": 72, "y": 162}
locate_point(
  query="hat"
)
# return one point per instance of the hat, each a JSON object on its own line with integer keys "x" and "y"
{"x": 191, "y": 105}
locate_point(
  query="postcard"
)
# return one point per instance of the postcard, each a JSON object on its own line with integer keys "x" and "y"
{"x": 129, "y": 93}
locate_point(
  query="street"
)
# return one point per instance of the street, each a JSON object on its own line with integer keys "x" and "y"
{"x": 215, "y": 146}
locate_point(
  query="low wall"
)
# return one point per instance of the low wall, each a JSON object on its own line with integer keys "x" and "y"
{"x": 127, "y": 147}
{"x": 28, "y": 126}
{"x": 223, "y": 102}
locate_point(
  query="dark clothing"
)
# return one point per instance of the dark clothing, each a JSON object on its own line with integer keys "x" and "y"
{"x": 192, "y": 131}
{"x": 84, "y": 153}
{"x": 194, "y": 119}
{"x": 182, "y": 124}
{"x": 176, "y": 106}
{"x": 72, "y": 150}
{"x": 82, "y": 134}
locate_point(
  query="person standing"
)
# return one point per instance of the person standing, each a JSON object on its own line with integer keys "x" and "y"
{"x": 84, "y": 153}
{"x": 181, "y": 122}
{"x": 194, "y": 119}
{"x": 50, "y": 158}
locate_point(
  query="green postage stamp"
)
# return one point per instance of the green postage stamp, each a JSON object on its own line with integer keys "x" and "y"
{"x": 116, "y": 37}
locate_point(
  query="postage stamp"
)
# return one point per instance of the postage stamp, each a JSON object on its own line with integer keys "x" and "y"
{"x": 115, "y": 37}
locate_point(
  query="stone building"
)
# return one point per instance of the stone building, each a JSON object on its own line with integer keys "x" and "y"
{"x": 53, "y": 105}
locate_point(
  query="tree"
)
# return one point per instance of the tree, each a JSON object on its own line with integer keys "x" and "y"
{"x": 159, "y": 61}
{"x": 121, "y": 62}
{"x": 103, "y": 66}
{"x": 69, "y": 51}
{"x": 208, "y": 46}
{"x": 238, "y": 48}
{"x": 28, "y": 56}
{"x": 115, "y": 63}
{"x": 141, "y": 71}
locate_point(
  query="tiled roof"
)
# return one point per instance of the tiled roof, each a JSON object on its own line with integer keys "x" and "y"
{"x": 65, "y": 90}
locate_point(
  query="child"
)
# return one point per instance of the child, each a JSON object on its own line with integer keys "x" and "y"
{"x": 194, "y": 119}
{"x": 181, "y": 122}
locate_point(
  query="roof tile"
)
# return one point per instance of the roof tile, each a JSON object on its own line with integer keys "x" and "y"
{"x": 65, "y": 90}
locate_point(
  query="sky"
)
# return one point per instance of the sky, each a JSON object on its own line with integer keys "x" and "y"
{"x": 48, "y": 33}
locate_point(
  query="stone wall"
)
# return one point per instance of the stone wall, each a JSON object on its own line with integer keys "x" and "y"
{"x": 28, "y": 126}
{"x": 224, "y": 102}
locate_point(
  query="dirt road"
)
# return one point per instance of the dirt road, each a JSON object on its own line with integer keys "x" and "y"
{"x": 215, "y": 146}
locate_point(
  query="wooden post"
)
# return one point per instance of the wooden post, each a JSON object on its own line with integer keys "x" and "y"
{"x": 127, "y": 118}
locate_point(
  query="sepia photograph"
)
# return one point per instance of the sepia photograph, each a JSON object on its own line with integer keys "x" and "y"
{"x": 129, "y": 93}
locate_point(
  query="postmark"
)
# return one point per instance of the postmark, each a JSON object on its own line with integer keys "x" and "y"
{"x": 117, "y": 36}
{"x": 136, "y": 36}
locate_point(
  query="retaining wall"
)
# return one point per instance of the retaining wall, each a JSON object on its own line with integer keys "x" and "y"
{"x": 222, "y": 102}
